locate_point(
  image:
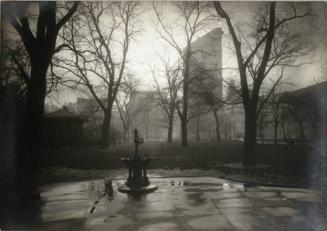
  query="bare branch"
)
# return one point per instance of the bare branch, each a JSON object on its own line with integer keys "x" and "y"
{"x": 69, "y": 14}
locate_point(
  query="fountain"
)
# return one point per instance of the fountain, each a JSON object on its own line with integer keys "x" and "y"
{"x": 137, "y": 181}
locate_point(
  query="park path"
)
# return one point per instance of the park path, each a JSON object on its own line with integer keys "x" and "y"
{"x": 183, "y": 203}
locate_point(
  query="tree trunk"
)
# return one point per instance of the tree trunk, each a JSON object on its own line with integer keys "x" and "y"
{"x": 185, "y": 97}
{"x": 147, "y": 126}
{"x": 197, "y": 135}
{"x": 262, "y": 135}
{"x": 275, "y": 132}
{"x": 125, "y": 134}
{"x": 35, "y": 109}
{"x": 250, "y": 136}
{"x": 218, "y": 133}
{"x": 105, "y": 138}
{"x": 40, "y": 47}
{"x": 128, "y": 135}
{"x": 302, "y": 138}
{"x": 184, "y": 133}
{"x": 170, "y": 129}
{"x": 217, "y": 126}
{"x": 8, "y": 138}
{"x": 284, "y": 131}
{"x": 318, "y": 157}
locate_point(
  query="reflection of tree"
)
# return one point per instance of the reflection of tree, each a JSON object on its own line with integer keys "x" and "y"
{"x": 268, "y": 48}
{"x": 99, "y": 40}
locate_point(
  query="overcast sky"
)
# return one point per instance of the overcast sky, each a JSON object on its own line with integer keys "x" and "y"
{"x": 143, "y": 51}
{"x": 314, "y": 29}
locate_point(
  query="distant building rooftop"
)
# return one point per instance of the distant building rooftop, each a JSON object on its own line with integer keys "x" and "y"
{"x": 63, "y": 113}
{"x": 318, "y": 90}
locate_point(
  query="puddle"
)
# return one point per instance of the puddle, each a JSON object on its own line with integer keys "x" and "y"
{"x": 201, "y": 184}
{"x": 203, "y": 189}
{"x": 197, "y": 199}
{"x": 106, "y": 195}
{"x": 177, "y": 183}
{"x": 210, "y": 187}
{"x": 74, "y": 200}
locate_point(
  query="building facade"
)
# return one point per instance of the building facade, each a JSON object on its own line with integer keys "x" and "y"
{"x": 206, "y": 86}
{"x": 62, "y": 127}
{"x": 206, "y": 61}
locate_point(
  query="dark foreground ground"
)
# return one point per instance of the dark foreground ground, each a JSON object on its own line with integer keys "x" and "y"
{"x": 81, "y": 163}
{"x": 192, "y": 194}
{"x": 179, "y": 204}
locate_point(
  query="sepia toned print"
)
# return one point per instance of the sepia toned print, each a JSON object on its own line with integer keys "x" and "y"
{"x": 180, "y": 115}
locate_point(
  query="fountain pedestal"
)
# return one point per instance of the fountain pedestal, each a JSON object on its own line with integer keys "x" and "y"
{"x": 137, "y": 181}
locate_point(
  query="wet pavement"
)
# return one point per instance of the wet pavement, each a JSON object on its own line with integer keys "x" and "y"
{"x": 184, "y": 203}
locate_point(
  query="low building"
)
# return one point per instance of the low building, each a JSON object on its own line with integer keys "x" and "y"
{"x": 62, "y": 127}
{"x": 307, "y": 110}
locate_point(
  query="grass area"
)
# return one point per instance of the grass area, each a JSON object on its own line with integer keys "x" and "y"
{"x": 63, "y": 174}
{"x": 285, "y": 159}
{"x": 165, "y": 155}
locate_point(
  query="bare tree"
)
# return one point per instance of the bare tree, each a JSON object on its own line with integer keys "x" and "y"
{"x": 99, "y": 40}
{"x": 295, "y": 106}
{"x": 194, "y": 19}
{"x": 15, "y": 66}
{"x": 206, "y": 89}
{"x": 268, "y": 47}
{"x": 215, "y": 104}
{"x": 39, "y": 36}
{"x": 127, "y": 104}
{"x": 197, "y": 108}
{"x": 263, "y": 121}
{"x": 167, "y": 96}
{"x": 226, "y": 126}
{"x": 88, "y": 108}
{"x": 276, "y": 112}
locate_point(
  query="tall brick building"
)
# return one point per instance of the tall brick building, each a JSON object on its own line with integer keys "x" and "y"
{"x": 205, "y": 82}
{"x": 206, "y": 59}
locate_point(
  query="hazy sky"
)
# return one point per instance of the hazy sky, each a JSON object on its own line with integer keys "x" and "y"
{"x": 143, "y": 51}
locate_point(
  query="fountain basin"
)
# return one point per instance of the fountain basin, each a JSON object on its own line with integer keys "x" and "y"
{"x": 137, "y": 181}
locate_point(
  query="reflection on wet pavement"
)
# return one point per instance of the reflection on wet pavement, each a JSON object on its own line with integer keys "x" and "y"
{"x": 189, "y": 203}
